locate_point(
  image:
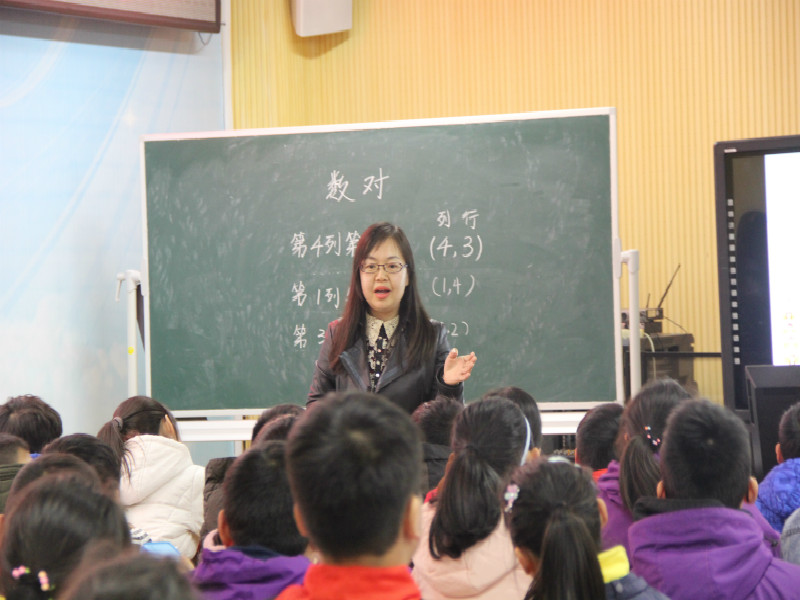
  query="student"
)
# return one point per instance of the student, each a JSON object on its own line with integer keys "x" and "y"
{"x": 554, "y": 517}
{"x": 385, "y": 342}
{"x": 595, "y": 438}
{"x": 529, "y": 408}
{"x": 32, "y": 419}
{"x": 130, "y": 576}
{"x": 46, "y": 530}
{"x": 779, "y": 493}
{"x": 638, "y": 441}
{"x": 262, "y": 550}
{"x": 435, "y": 421}
{"x": 56, "y": 466}
{"x": 218, "y": 467}
{"x": 466, "y": 550}
{"x": 354, "y": 468}
{"x": 96, "y": 453}
{"x": 693, "y": 541}
{"x": 14, "y": 455}
{"x": 277, "y": 429}
{"x": 161, "y": 488}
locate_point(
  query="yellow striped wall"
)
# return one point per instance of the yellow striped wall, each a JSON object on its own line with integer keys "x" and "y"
{"x": 681, "y": 73}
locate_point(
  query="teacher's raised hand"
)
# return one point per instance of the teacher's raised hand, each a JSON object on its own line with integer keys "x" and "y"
{"x": 458, "y": 368}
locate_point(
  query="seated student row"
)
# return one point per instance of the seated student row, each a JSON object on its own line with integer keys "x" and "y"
{"x": 475, "y": 446}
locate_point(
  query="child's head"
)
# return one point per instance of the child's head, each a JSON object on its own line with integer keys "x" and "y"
{"x": 138, "y": 415}
{"x": 435, "y": 419}
{"x": 554, "y": 518}
{"x": 47, "y": 529}
{"x": 706, "y": 455}
{"x": 528, "y": 406}
{"x": 93, "y": 451}
{"x": 13, "y": 450}
{"x": 272, "y": 413}
{"x": 276, "y": 429}
{"x": 789, "y": 434}
{"x": 596, "y": 434}
{"x": 489, "y": 440}
{"x": 257, "y": 502}
{"x": 131, "y": 576}
{"x": 54, "y": 466}
{"x": 32, "y": 419}
{"x": 355, "y": 462}
{"x": 640, "y": 435}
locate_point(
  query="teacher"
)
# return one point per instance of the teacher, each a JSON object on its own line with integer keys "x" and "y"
{"x": 385, "y": 342}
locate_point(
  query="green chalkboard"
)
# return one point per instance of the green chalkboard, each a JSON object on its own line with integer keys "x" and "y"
{"x": 249, "y": 241}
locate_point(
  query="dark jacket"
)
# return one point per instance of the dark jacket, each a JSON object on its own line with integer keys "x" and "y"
{"x": 632, "y": 587}
{"x": 701, "y": 549}
{"x": 407, "y": 389}
{"x": 212, "y": 492}
{"x": 7, "y": 475}
{"x": 435, "y": 459}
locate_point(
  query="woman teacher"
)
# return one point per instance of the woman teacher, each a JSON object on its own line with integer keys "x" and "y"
{"x": 385, "y": 342}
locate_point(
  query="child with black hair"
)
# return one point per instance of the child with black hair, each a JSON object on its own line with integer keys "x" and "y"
{"x": 354, "y": 465}
{"x": 47, "y": 529}
{"x": 435, "y": 420}
{"x": 32, "y": 419}
{"x": 96, "y": 453}
{"x": 693, "y": 541}
{"x": 466, "y": 550}
{"x": 527, "y": 404}
{"x": 595, "y": 438}
{"x": 638, "y": 443}
{"x": 779, "y": 493}
{"x": 14, "y": 454}
{"x": 130, "y": 576}
{"x": 161, "y": 488}
{"x": 554, "y": 517}
{"x": 263, "y": 551}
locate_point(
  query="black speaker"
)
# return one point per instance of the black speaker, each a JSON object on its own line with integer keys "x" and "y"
{"x": 770, "y": 391}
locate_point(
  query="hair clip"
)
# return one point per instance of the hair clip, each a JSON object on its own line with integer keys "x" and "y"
{"x": 117, "y": 423}
{"x": 511, "y": 495}
{"x": 654, "y": 441}
{"x": 19, "y": 571}
{"x": 44, "y": 582}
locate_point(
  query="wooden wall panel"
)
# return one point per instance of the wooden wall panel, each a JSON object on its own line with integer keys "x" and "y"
{"x": 681, "y": 73}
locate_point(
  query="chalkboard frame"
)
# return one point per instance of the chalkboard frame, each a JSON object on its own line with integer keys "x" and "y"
{"x": 614, "y": 244}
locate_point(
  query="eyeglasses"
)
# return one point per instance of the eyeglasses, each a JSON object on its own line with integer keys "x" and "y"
{"x": 391, "y": 268}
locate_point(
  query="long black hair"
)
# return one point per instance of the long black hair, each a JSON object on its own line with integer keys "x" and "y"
{"x": 138, "y": 415}
{"x": 640, "y": 434}
{"x": 413, "y": 317}
{"x": 555, "y": 517}
{"x": 488, "y": 442}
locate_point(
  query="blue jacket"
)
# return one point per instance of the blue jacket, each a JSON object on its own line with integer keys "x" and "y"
{"x": 246, "y": 573}
{"x": 779, "y": 493}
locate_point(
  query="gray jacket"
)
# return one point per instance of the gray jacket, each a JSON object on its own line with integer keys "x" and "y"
{"x": 407, "y": 389}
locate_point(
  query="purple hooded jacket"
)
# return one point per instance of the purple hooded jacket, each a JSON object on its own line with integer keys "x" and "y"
{"x": 615, "y": 532}
{"x": 243, "y": 573}
{"x": 700, "y": 549}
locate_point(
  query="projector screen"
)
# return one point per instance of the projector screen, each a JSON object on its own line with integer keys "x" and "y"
{"x": 758, "y": 245}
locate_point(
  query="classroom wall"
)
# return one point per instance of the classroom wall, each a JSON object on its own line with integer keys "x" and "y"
{"x": 75, "y": 97}
{"x": 682, "y": 74}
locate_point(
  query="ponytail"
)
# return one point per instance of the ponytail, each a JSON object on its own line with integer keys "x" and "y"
{"x": 568, "y": 564}
{"x": 489, "y": 437}
{"x": 552, "y": 513}
{"x": 463, "y": 519}
{"x": 138, "y": 415}
{"x": 639, "y": 472}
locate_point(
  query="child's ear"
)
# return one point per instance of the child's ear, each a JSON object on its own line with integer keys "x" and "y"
{"x": 603, "y": 510}
{"x": 779, "y": 453}
{"x": 412, "y": 520}
{"x": 752, "y": 491}
{"x": 224, "y": 529}
{"x": 533, "y": 454}
{"x": 660, "y": 490}
{"x": 527, "y": 560}
{"x": 298, "y": 520}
